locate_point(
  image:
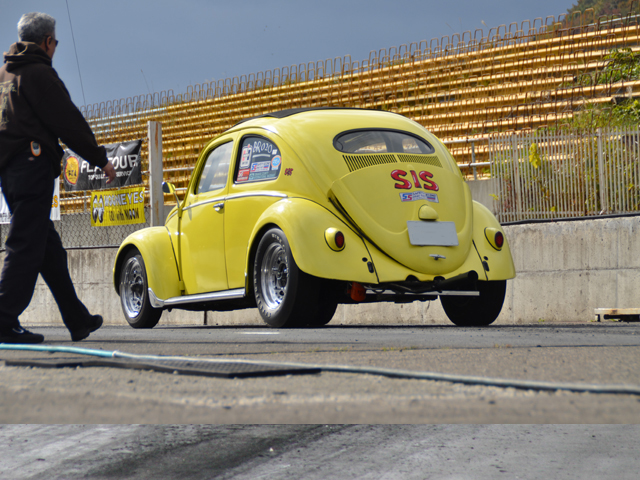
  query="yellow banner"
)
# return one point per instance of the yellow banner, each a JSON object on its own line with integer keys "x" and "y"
{"x": 117, "y": 207}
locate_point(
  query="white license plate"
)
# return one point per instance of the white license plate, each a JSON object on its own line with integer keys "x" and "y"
{"x": 442, "y": 234}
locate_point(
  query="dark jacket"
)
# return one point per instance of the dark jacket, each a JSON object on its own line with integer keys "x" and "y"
{"x": 36, "y": 106}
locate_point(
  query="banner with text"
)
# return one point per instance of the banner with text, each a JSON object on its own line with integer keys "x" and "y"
{"x": 5, "y": 214}
{"x": 117, "y": 207}
{"x": 81, "y": 175}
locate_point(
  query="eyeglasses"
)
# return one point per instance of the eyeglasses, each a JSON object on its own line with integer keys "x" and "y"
{"x": 57, "y": 41}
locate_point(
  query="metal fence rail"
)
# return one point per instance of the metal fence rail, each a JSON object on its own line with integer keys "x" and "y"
{"x": 557, "y": 175}
{"x": 537, "y": 175}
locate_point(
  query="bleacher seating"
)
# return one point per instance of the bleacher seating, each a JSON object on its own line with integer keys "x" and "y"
{"x": 521, "y": 76}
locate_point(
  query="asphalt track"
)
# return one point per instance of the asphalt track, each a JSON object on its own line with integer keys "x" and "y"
{"x": 589, "y": 353}
{"x": 203, "y": 452}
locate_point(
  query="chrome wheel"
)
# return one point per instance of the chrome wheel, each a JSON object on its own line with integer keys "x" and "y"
{"x": 133, "y": 287}
{"x": 274, "y": 276}
{"x": 134, "y": 293}
{"x": 284, "y": 295}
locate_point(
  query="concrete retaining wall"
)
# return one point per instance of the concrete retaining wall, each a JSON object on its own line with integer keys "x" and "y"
{"x": 564, "y": 270}
{"x": 567, "y": 269}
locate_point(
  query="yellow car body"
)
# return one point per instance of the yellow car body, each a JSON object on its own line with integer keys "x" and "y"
{"x": 400, "y": 209}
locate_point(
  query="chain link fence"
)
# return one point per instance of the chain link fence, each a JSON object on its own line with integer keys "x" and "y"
{"x": 75, "y": 231}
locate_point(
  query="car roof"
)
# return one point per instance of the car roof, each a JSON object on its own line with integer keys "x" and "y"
{"x": 330, "y": 121}
{"x": 294, "y": 111}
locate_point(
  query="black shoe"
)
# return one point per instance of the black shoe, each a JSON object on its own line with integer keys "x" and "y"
{"x": 20, "y": 335}
{"x": 93, "y": 323}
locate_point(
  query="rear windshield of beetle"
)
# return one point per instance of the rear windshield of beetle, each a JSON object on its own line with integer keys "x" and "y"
{"x": 380, "y": 141}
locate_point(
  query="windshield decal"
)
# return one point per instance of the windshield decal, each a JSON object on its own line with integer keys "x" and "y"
{"x": 245, "y": 161}
{"x": 259, "y": 160}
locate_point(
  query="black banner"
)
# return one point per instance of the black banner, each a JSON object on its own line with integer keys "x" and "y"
{"x": 81, "y": 175}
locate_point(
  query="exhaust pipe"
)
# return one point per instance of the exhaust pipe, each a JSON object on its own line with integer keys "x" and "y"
{"x": 464, "y": 281}
{"x": 440, "y": 284}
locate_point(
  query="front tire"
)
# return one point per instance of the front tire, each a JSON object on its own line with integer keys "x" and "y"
{"x": 134, "y": 292}
{"x": 476, "y": 311}
{"x": 285, "y": 295}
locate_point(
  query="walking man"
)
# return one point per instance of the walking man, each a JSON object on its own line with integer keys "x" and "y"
{"x": 35, "y": 112}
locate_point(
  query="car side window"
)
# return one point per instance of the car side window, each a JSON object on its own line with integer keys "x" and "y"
{"x": 260, "y": 160}
{"x": 216, "y": 169}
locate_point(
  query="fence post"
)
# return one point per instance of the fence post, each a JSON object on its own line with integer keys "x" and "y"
{"x": 516, "y": 177}
{"x": 155, "y": 173}
{"x": 473, "y": 159}
{"x": 601, "y": 173}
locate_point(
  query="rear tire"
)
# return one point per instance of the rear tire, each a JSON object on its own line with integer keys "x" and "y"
{"x": 328, "y": 293}
{"x": 285, "y": 295}
{"x": 476, "y": 311}
{"x": 134, "y": 292}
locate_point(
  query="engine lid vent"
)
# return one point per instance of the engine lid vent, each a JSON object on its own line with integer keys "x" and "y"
{"x": 356, "y": 162}
{"x": 432, "y": 160}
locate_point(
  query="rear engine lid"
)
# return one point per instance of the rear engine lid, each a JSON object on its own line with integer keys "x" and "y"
{"x": 410, "y": 207}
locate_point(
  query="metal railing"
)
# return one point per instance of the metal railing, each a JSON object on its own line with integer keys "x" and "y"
{"x": 473, "y": 165}
{"x": 536, "y": 175}
{"x": 548, "y": 175}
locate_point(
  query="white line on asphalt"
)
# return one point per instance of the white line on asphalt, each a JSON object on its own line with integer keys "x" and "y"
{"x": 259, "y": 333}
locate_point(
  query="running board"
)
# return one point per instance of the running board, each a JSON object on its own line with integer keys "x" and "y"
{"x": 200, "y": 297}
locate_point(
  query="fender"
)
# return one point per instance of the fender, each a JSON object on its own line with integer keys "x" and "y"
{"x": 155, "y": 246}
{"x": 500, "y": 262}
{"x": 304, "y": 223}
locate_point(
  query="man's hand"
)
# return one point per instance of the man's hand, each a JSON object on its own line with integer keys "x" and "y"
{"x": 110, "y": 172}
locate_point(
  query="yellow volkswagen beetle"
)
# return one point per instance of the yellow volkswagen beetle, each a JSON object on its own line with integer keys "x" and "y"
{"x": 297, "y": 211}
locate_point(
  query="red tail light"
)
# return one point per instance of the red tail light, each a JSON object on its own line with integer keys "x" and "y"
{"x": 334, "y": 238}
{"x": 495, "y": 237}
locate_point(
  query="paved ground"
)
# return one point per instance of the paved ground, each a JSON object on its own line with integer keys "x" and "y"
{"x": 587, "y": 353}
{"x": 199, "y": 452}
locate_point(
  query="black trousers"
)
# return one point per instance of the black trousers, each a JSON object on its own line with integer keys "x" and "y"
{"x": 33, "y": 246}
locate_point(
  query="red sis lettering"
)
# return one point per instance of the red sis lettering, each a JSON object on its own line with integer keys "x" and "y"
{"x": 396, "y": 175}
{"x": 429, "y": 184}
{"x": 404, "y": 184}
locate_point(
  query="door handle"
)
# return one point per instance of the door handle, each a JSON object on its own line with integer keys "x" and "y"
{"x": 218, "y": 206}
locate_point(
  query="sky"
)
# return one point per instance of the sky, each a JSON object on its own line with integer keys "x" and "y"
{"x": 125, "y": 48}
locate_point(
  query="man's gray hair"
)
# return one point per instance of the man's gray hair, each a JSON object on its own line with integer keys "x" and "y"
{"x": 35, "y": 26}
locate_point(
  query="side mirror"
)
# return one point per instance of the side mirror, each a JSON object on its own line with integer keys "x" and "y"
{"x": 168, "y": 187}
